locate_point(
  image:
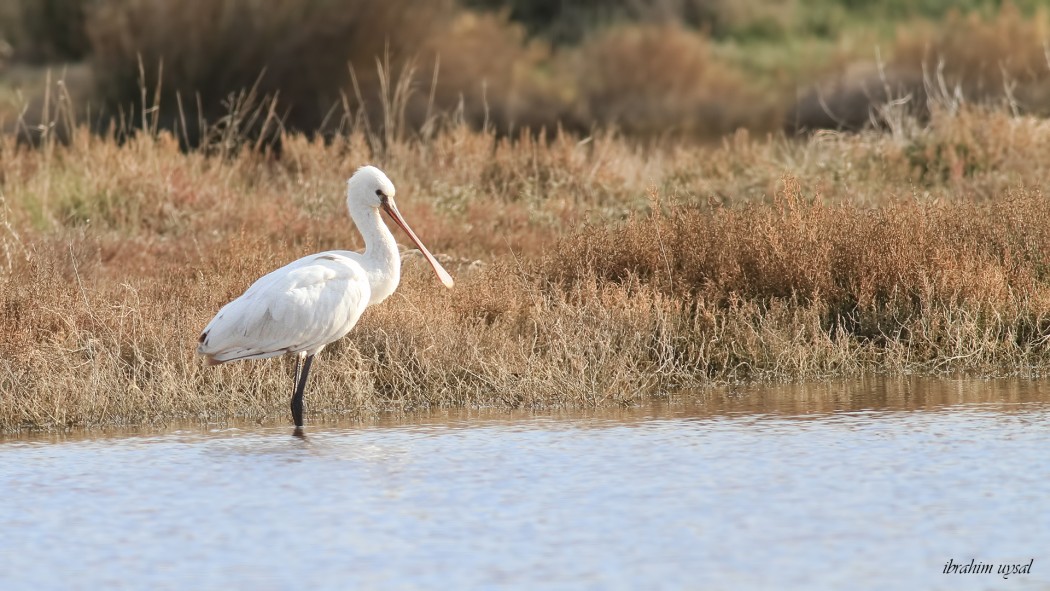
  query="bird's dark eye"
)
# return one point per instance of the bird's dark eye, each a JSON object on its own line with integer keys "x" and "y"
{"x": 379, "y": 192}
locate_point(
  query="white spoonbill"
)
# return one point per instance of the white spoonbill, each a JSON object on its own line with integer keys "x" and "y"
{"x": 317, "y": 299}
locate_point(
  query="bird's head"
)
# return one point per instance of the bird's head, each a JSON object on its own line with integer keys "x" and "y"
{"x": 369, "y": 186}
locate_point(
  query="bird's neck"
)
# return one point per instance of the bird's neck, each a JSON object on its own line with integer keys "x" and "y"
{"x": 382, "y": 260}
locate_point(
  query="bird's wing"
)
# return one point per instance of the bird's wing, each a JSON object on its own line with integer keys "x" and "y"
{"x": 299, "y": 307}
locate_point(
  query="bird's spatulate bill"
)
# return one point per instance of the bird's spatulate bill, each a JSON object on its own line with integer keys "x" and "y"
{"x": 395, "y": 215}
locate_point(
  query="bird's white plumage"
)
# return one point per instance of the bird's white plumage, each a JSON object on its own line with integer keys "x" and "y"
{"x": 317, "y": 299}
{"x": 300, "y": 307}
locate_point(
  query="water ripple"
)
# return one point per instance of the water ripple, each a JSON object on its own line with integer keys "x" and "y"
{"x": 673, "y": 496}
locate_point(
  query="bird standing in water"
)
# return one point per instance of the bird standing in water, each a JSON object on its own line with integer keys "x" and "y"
{"x": 316, "y": 300}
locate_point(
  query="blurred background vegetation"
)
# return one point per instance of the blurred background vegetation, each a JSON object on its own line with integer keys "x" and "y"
{"x": 650, "y": 68}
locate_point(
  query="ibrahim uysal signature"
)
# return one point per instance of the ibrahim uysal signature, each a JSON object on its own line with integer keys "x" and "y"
{"x": 985, "y": 568}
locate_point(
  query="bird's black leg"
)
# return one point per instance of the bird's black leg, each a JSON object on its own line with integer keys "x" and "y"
{"x": 298, "y": 368}
{"x": 295, "y": 379}
{"x": 300, "y": 387}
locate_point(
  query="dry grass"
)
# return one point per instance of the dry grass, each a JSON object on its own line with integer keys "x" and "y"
{"x": 608, "y": 272}
{"x": 198, "y": 53}
{"x": 1002, "y": 57}
{"x": 995, "y": 57}
{"x": 197, "y": 58}
{"x": 652, "y": 80}
{"x": 696, "y": 69}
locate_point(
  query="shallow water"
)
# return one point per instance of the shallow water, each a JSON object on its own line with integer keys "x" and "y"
{"x": 862, "y": 485}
